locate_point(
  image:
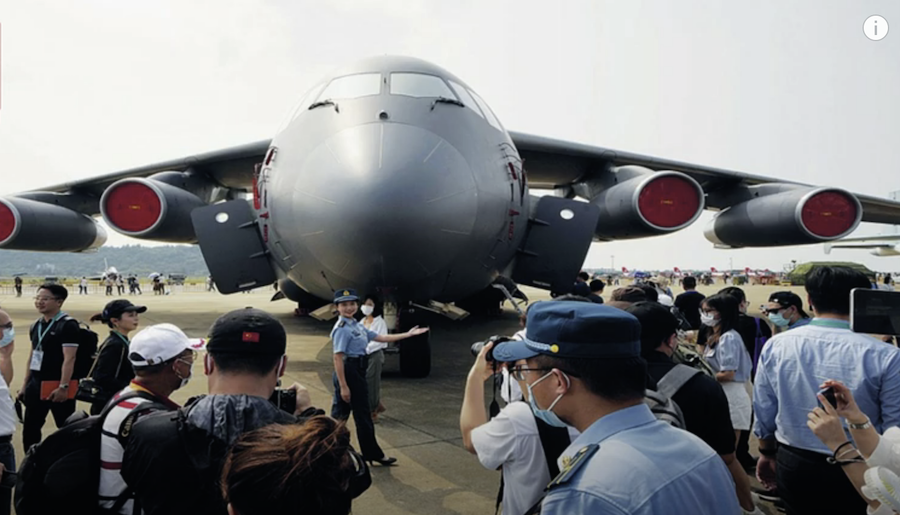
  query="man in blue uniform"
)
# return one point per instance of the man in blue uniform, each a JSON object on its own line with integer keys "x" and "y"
{"x": 351, "y": 391}
{"x": 581, "y": 364}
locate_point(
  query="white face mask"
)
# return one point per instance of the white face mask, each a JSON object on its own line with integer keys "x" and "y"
{"x": 185, "y": 380}
{"x": 8, "y": 336}
{"x": 367, "y": 310}
{"x": 708, "y": 320}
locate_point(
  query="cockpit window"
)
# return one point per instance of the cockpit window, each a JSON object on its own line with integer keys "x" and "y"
{"x": 487, "y": 111}
{"x": 466, "y": 98}
{"x": 419, "y": 85}
{"x": 352, "y": 86}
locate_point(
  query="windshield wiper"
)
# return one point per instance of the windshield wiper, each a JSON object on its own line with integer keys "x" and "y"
{"x": 326, "y": 102}
{"x": 445, "y": 100}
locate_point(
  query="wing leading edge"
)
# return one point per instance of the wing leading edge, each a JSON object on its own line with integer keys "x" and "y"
{"x": 553, "y": 163}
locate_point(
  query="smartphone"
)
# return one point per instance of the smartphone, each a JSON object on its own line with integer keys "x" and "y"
{"x": 828, "y": 393}
{"x": 875, "y": 311}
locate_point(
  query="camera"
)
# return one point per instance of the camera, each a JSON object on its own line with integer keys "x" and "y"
{"x": 284, "y": 399}
{"x": 477, "y": 346}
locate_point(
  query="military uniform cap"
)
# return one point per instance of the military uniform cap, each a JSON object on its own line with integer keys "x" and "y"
{"x": 345, "y": 295}
{"x": 569, "y": 329}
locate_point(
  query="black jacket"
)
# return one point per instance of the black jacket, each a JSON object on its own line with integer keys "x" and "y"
{"x": 174, "y": 460}
{"x": 113, "y": 371}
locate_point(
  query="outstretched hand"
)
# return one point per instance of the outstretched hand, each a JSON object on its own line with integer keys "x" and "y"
{"x": 416, "y": 331}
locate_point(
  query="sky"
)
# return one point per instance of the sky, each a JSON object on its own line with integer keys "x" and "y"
{"x": 790, "y": 90}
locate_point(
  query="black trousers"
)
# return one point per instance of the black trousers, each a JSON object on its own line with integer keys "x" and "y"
{"x": 355, "y": 374}
{"x": 809, "y": 485}
{"x": 36, "y": 412}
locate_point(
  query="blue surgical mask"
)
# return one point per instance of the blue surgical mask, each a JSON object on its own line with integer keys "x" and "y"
{"x": 546, "y": 415}
{"x": 8, "y": 336}
{"x": 778, "y": 320}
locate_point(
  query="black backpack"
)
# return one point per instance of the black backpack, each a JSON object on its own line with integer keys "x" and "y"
{"x": 87, "y": 346}
{"x": 62, "y": 473}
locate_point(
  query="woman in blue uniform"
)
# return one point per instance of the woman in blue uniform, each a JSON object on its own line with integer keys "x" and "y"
{"x": 351, "y": 392}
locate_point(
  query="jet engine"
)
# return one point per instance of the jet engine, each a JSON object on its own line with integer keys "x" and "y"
{"x": 37, "y": 226}
{"x": 794, "y": 217}
{"x": 150, "y": 209}
{"x": 648, "y": 204}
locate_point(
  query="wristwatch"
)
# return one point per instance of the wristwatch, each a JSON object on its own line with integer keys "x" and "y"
{"x": 865, "y": 425}
{"x": 64, "y": 386}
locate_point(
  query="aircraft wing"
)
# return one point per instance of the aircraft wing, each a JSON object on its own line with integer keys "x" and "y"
{"x": 231, "y": 167}
{"x": 553, "y": 163}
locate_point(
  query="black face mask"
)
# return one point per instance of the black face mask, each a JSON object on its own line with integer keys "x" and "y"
{"x": 362, "y": 479}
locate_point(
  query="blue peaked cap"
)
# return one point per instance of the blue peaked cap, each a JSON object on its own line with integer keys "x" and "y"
{"x": 569, "y": 329}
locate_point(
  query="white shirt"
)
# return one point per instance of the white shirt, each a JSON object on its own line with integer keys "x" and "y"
{"x": 378, "y": 326}
{"x": 7, "y": 410}
{"x": 112, "y": 452}
{"x": 511, "y": 439}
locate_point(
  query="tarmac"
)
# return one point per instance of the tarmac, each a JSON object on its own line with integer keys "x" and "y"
{"x": 434, "y": 474}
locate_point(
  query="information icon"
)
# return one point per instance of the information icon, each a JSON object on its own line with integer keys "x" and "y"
{"x": 875, "y": 28}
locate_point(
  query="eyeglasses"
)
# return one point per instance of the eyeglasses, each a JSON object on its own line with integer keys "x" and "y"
{"x": 7, "y": 325}
{"x": 518, "y": 373}
{"x": 45, "y": 299}
{"x": 776, "y": 310}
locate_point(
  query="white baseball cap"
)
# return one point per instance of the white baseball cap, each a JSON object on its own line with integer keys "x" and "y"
{"x": 159, "y": 343}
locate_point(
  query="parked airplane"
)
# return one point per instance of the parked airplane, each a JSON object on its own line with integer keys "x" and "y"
{"x": 392, "y": 175}
{"x": 882, "y": 245}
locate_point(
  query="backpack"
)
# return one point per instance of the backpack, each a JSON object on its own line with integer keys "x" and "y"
{"x": 62, "y": 473}
{"x": 87, "y": 346}
{"x": 660, "y": 401}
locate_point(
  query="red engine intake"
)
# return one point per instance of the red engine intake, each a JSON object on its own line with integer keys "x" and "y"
{"x": 147, "y": 208}
{"x": 648, "y": 204}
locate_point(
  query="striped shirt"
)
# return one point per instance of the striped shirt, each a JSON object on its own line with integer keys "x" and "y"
{"x": 111, "y": 451}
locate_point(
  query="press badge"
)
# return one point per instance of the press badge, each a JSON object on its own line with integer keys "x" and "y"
{"x": 37, "y": 357}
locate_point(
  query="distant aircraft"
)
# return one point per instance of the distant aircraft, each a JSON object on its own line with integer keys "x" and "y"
{"x": 883, "y": 245}
{"x": 393, "y": 176}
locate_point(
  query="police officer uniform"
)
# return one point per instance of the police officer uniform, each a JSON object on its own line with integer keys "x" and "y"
{"x": 350, "y": 338}
{"x": 626, "y": 461}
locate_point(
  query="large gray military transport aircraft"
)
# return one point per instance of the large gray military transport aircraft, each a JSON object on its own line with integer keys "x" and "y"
{"x": 393, "y": 176}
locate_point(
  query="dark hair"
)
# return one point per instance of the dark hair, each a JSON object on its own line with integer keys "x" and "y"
{"x": 689, "y": 282}
{"x": 378, "y": 306}
{"x": 597, "y": 285}
{"x": 616, "y": 380}
{"x": 569, "y": 297}
{"x": 246, "y": 363}
{"x": 887, "y": 279}
{"x": 584, "y": 276}
{"x": 727, "y": 306}
{"x": 629, "y": 294}
{"x": 735, "y": 292}
{"x": 658, "y": 324}
{"x": 829, "y": 288}
{"x": 650, "y": 291}
{"x": 59, "y": 291}
{"x": 298, "y": 468}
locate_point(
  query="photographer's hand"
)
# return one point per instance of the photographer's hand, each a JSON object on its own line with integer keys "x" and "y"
{"x": 304, "y": 401}
{"x": 473, "y": 413}
{"x": 482, "y": 367}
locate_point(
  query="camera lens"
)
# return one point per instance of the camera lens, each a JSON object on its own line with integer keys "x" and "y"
{"x": 476, "y": 349}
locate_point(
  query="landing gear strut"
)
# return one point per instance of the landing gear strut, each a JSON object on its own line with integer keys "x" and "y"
{"x": 415, "y": 352}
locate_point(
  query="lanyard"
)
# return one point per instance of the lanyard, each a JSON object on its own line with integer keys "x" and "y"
{"x": 43, "y": 333}
{"x": 120, "y": 335}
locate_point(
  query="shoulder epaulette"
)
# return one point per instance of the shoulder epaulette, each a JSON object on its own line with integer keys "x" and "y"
{"x": 573, "y": 464}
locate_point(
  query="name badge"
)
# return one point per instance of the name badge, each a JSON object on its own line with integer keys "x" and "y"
{"x": 37, "y": 357}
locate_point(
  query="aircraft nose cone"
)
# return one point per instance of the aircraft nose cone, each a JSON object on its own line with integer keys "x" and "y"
{"x": 385, "y": 203}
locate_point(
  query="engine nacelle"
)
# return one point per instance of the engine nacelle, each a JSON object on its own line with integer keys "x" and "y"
{"x": 796, "y": 217}
{"x": 31, "y": 225}
{"x": 150, "y": 209}
{"x": 648, "y": 205}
